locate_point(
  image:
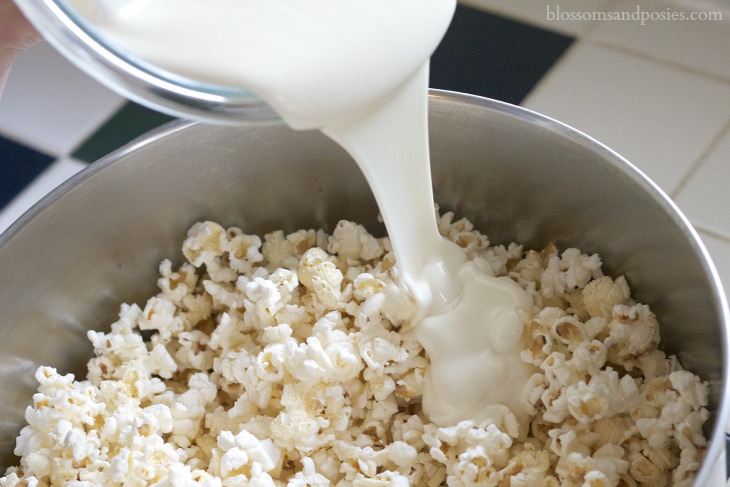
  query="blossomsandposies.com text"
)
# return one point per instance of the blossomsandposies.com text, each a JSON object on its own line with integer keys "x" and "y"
{"x": 555, "y": 13}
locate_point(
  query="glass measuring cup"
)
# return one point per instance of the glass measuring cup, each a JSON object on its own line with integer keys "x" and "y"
{"x": 67, "y": 31}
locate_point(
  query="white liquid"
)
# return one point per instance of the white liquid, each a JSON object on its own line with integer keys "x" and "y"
{"x": 306, "y": 58}
{"x": 358, "y": 71}
{"x": 472, "y": 328}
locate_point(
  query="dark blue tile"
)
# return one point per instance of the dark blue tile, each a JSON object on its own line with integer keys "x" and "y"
{"x": 19, "y": 165}
{"x": 489, "y": 55}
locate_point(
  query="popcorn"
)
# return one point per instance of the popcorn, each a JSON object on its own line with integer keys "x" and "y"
{"x": 569, "y": 271}
{"x": 243, "y": 455}
{"x": 176, "y": 285}
{"x": 206, "y": 245}
{"x": 286, "y": 361}
{"x": 281, "y": 251}
{"x": 462, "y": 233}
{"x": 632, "y": 331}
{"x": 352, "y": 241}
{"x": 366, "y": 285}
{"x": 318, "y": 273}
{"x": 244, "y": 252}
{"x": 308, "y": 476}
{"x": 601, "y": 295}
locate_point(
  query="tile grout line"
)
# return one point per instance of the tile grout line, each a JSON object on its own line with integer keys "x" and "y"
{"x": 700, "y": 161}
{"x": 585, "y": 35}
{"x": 625, "y": 51}
{"x": 704, "y": 6}
{"x": 608, "y": 7}
{"x": 699, "y": 228}
{"x": 657, "y": 60}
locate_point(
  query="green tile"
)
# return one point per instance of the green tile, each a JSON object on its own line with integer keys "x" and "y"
{"x": 131, "y": 121}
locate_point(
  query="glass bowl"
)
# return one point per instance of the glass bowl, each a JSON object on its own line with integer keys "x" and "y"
{"x": 137, "y": 80}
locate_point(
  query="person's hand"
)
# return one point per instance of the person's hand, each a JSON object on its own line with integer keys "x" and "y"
{"x": 16, "y": 35}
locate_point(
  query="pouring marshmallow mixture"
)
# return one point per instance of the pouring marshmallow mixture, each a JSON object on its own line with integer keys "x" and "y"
{"x": 424, "y": 358}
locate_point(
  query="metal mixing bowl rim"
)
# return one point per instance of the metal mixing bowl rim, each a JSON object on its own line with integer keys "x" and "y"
{"x": 531, "y": 117}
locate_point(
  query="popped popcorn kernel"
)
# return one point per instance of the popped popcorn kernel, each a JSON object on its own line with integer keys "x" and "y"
{"x": 318, "y": 273}
{"x": 285, "y": 361}
{"x": 602, "y": 294}
{"x": 352, "y": 241}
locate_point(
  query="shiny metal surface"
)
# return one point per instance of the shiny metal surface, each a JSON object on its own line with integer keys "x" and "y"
{"x": 97, "y": 241}
{"x": 137, "y": 80}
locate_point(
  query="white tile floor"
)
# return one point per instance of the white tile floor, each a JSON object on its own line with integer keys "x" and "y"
{"x": 694, "y": 44}
{"x": 51, "y": 105}
{"x": 659, "y": 117}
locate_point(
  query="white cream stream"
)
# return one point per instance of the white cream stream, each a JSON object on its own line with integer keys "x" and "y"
{"x": 358, "y": 71}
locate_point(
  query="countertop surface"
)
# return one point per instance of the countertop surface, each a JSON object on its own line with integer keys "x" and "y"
{"x": 655, "y": 90}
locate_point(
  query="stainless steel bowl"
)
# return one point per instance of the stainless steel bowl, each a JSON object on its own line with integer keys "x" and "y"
{"x": 97, "y": 240}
